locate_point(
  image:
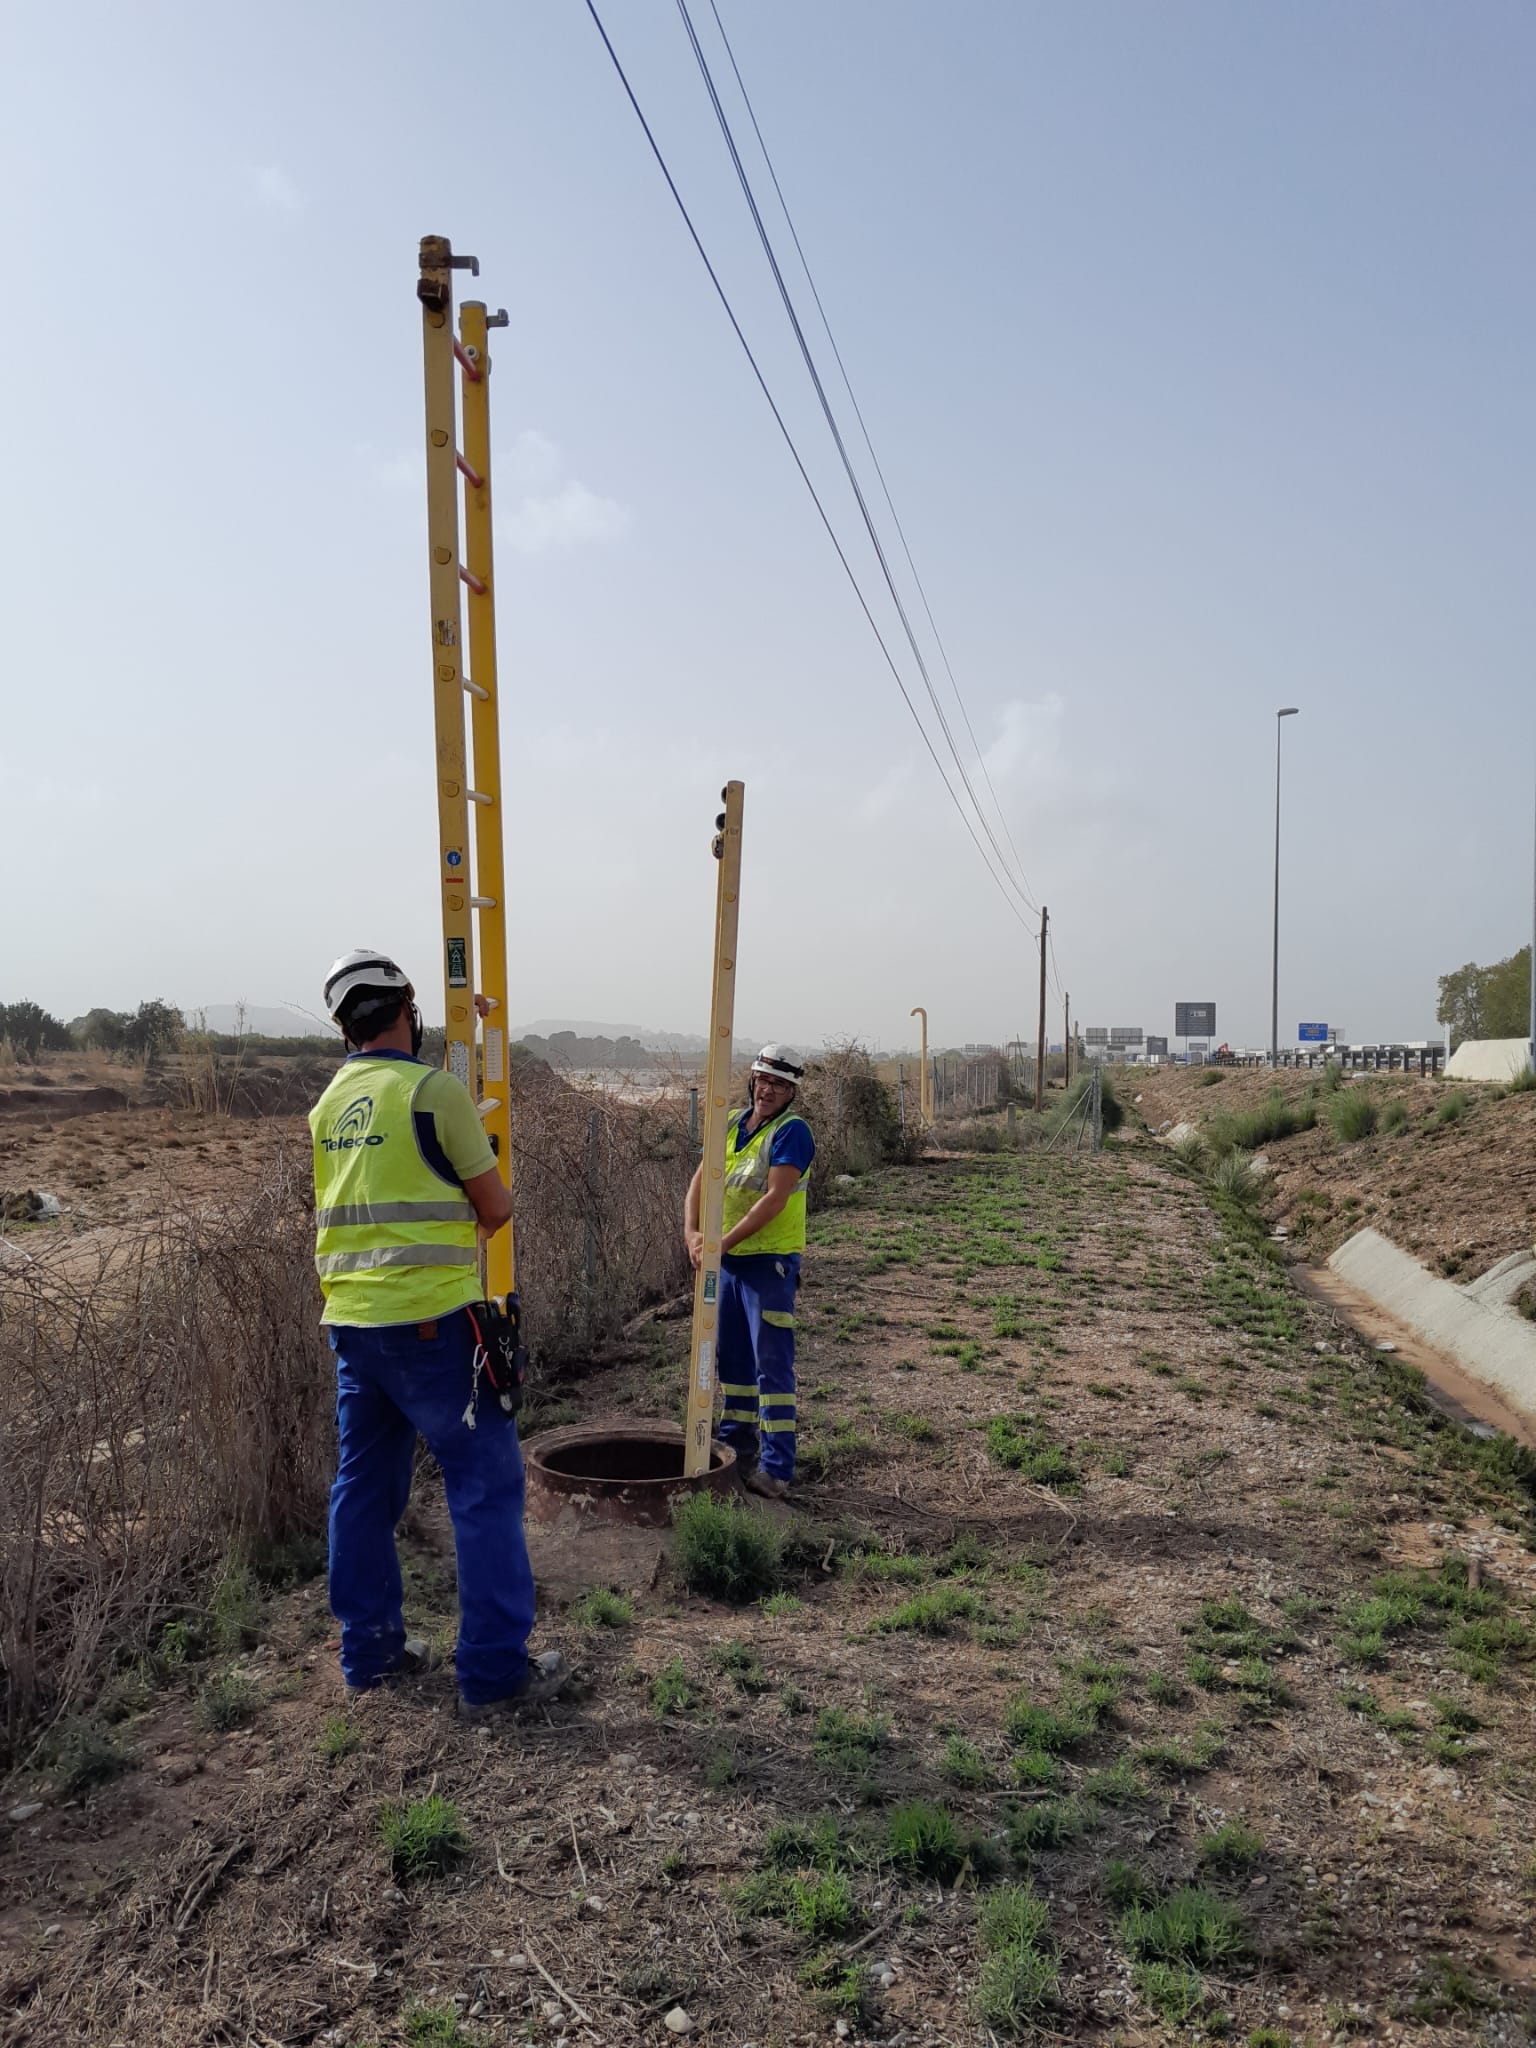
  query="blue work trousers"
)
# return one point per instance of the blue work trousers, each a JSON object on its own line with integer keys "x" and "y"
{"x": 756, "y": 1359}
{"x": 391, "y": 1384}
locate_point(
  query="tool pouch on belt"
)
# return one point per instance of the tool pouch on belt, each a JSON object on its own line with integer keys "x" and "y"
{"x": 499, "y": 1349}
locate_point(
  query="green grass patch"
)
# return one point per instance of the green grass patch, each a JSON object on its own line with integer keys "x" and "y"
{"x": 1274, "y": 1120}
{"x": 1233, "y": 1846}
{"x": 924, "y": 1840}
{"x": 933, "y": 1613}
{"x": 849, "y": 1742}
{"x": 424, "y": 1838}
{"x": 725, "y": 1551}
{"x": 916, "y": 1429}
{"x": 739, "y": 1662}
{"x": 1020, "y": 1967}
{"x": 963, "y": 1764}
{"x": 436, "y": 2026}
{"x": 1191, "y": 1926}
{"x": 1354, "y": 1114}
{"x": 80, "y": 1755}
{"x": 234, "y": 1612}
{"x": 1170, "y": 1757}
{"x": 602, "y": 1608}
{"x": 1049, "y": 1824}
{"x": 340, "y": 1737}
{"x": 818, "y": 1904}
{"x": 1025, "y": 1447}
{"x": 1176, "y": 1994}
{"x": 227, "y": 1701}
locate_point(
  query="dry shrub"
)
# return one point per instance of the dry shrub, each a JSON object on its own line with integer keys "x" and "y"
{"x": 853, "y": 1116}
{"x": 162, "y": 1399}
{"x": 598, "y": 1185}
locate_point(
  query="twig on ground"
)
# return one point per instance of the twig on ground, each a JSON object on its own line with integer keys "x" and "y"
{"x": 559, "y": 1989}
{"x": 873, "y": 1935}
{"x": 204, "y": 1883}
{"x": 576, "y": 1850}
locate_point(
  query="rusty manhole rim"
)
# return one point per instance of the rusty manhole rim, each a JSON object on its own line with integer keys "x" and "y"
{"x": 615, "y": 1496}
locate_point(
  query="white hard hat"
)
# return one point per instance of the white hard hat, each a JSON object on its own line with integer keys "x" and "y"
{"x": 780, "y": 1063}
{"x": 363, "y": 967}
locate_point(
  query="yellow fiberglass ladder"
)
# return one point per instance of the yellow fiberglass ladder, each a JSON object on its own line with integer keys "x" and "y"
{"x": 469, "y": 827}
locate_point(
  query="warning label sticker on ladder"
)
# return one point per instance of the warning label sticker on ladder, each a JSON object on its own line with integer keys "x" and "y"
{"x": 458, "y": 1060}
{"x": 494, "y": 1042}
{"x": 458, "y": 972}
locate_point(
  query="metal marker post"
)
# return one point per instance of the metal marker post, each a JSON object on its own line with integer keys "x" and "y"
{"x": 717, "y": 1077}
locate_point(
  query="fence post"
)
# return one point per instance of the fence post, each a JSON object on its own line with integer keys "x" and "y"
{"x": 1098, "y": 1107}
{"x": 693, "y": 1119}
{"x": 901, "y": 1097}
{"x": 594, "y": 1123}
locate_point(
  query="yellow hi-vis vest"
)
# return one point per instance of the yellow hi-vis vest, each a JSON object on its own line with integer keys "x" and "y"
{"x": 746, "y": 1179}
{"x": 395, "y": 1242}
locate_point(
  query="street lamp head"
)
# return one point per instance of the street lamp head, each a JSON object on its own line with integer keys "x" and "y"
{"x": 1289, "y": 711}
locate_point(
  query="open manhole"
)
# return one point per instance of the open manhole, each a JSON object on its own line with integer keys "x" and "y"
{"x": 616, "y": 1472}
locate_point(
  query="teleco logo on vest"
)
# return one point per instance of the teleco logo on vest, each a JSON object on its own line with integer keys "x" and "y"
{"x": 350, "y": 1129}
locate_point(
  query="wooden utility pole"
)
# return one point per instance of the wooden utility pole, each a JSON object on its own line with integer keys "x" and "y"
{"x": 1045, "y": 921}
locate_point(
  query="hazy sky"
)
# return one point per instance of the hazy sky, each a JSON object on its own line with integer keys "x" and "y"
{"x": 1196, "y": 340}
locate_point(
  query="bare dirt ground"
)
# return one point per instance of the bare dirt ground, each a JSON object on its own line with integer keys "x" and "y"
{"x": 1459, "y": 1191}
{"x": 1094, "y": 1501}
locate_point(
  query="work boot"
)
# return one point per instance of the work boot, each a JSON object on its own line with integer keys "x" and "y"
{"x": 765, "y": 1485}
{"x": 546, "y": 1677}
{"x": 417, "y": 1656}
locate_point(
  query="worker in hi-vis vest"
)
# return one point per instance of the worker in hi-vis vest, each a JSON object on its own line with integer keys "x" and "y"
{"x": 768, "y": 1154}
{"x": 406, "y": 1185}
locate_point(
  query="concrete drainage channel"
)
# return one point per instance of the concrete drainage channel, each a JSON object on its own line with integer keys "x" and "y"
{"x": 1476, "y": 1327}
{"x": 616, "y": 1472}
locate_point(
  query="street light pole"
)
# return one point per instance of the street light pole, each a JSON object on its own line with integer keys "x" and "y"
{"x": 1289, "y": 711}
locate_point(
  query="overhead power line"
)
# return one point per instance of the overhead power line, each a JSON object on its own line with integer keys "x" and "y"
{"x": 1002, "y": 880}
{"x": 858, "y": 411}
{"x": 1015, "y": 881}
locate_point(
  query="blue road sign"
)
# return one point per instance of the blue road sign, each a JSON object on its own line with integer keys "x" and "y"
{"x": 1312, "y": 1034}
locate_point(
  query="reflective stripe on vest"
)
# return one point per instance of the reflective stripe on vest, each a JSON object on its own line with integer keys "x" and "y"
{"x": 395, "y": 1242}
{"x": 746, "y": 1180}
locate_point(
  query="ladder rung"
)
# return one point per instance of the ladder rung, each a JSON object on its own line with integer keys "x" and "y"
{"x": 474, "y": 689}
{"x": 491, "y": 1102}
{"x": 475, "y": 582}
{"x": 482, "y": 902}
{"x": 466, "y": 469}
{"x": 478, "y": 796}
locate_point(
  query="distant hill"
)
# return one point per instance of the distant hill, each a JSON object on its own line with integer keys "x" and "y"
{"x": 687, "y": 1045}
{"x": 260, "y": 1020}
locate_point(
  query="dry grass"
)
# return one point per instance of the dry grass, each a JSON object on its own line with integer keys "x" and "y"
{"x": 160, "y": 1400}
{"x": 598, "y": 1185}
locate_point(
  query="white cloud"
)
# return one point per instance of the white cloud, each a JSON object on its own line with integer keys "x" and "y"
{"x": 879, "y": 801}
{"x": 1029, "y": 744}
{"x": 534, "y": 463}
{"x": 269, "y": 186}
{"x": 566, "y": 518}
{"x": 395, "y": 472}
{"x": 549, "y": 508}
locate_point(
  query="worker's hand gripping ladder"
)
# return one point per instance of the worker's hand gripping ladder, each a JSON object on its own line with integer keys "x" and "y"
{"x": 470, "y": 854}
